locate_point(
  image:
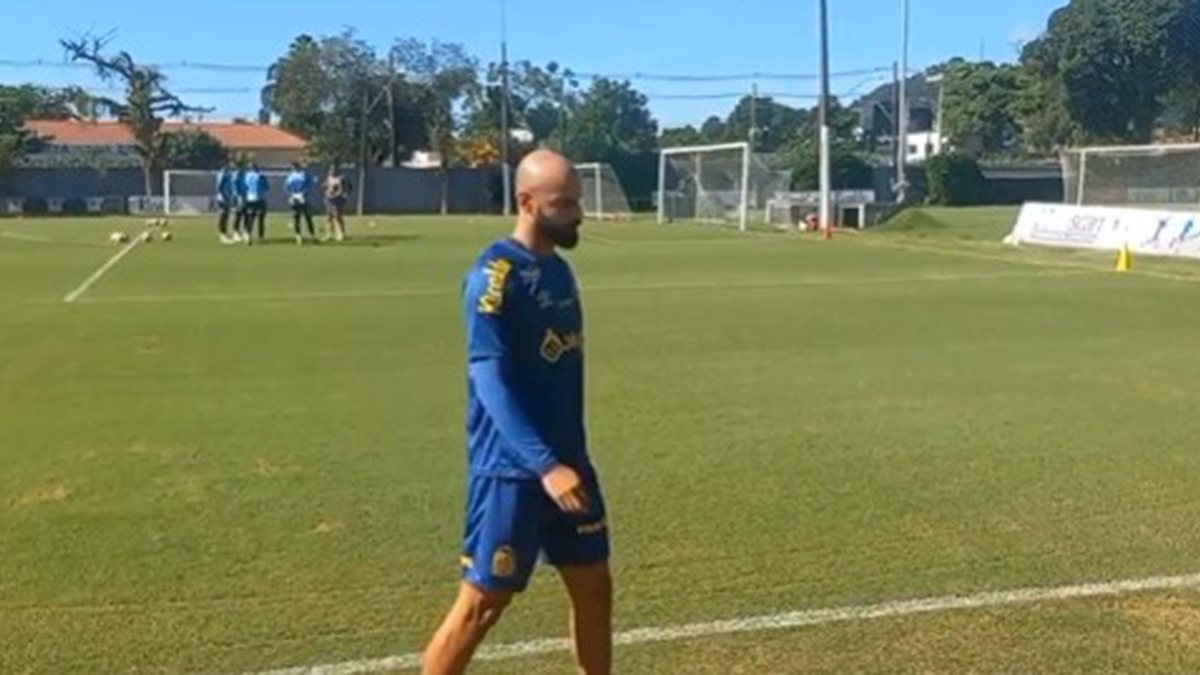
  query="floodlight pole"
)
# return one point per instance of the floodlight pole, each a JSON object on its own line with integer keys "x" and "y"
{"x": 826, "y": 177}
{"x": 505, "y": 170}
{"x": 902, "y": 168}
{"x": 753, "y": 136}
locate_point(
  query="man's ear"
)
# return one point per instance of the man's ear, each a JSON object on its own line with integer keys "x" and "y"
{"x": 524, "y": 202}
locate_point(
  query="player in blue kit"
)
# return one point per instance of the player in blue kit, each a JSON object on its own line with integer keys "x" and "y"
{"x": 226, "y": 200}
{"x": 255, "y": 188}
{"x": 298, "y": 184}
{"x": 239, "y": 202}
{"x": 532, "y": 490}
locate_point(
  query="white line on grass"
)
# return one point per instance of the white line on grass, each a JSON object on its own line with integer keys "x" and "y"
{"x": 102, "y": 270}
{"x": 732, "y": 284}
{"x": 26, "y": 237}
{"x": 589, "y": 236}
{"x": 811, "y": 617}
{"x": 978, "y": 254}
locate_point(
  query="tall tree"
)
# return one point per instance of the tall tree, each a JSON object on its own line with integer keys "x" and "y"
{"x": 1183, "y": 96}
{"x": 1113, "y": 60}
{"x": 25, "y": 102}
{"x": 713, "y": 130}
{"x": 979, "y": 107}
{"x": 29, "y": 102}
{"x": 146, "y": 101}
{"x": 337, "y": 93}
{"x": 676, "y": 137}
{"x": 613, "y": 119}
{"x": 195, "y": 149}
{"x": 15, "y": 141}
{"x": 1041, "y": 113}
{"x": 541, "y": 100}
{"x": 801, "y": 155}
{"x": 298, "y": 88}
{"x": 774, "y": 123}
{"x": 446, "y": 75}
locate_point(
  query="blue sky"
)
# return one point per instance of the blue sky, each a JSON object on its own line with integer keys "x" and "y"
{"x": 692, "y": 37}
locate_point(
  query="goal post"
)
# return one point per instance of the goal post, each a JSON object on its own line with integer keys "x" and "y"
{"x": 721, "y": 183}
{"x": 603, "y": 196}
{"x": 1151, "y": 176}
{"x": 194, "y": 192}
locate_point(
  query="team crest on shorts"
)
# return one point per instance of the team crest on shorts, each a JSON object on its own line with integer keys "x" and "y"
{"x": 504, "y": 562}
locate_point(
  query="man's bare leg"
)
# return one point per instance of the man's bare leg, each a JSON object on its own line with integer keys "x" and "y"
{"x": 591, "y": 590}
{"x": 474, "y": 613}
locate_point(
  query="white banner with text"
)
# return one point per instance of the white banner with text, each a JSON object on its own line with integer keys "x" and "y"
{"x": 1150, "y": 232}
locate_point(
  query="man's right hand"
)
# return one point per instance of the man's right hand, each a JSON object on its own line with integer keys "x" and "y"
{"x": 564, "y": 486}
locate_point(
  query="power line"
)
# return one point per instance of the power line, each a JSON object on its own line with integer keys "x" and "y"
{"x": 738, "y": 77}
{"x": 105, "y": 91}
{"x": 636, "y": 76}
{"x": 178, "y": 65}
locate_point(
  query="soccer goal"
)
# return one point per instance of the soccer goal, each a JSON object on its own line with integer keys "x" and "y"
{"x": 1151, "y": 176}
{"x": 725, "y": 184}
{"x": 191, "y": 192}
{"x": 603, "y": 196}
{"x": 801, "y": 210}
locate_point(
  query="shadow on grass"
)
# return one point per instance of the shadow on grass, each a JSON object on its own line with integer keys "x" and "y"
{"x": 372, "y": 240}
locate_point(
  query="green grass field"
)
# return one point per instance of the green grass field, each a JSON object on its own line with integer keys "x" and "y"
{"x": 226, "y": 460}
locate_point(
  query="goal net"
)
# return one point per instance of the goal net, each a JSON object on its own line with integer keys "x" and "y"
{"x": 189, "y": 192}
{"x": 603, "y": 196}
{"x": 724, "y": 184}
{"x": 1153, "y": 176}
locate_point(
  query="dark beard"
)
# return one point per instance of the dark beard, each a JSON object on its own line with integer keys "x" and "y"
{"x": 565, "y": 236}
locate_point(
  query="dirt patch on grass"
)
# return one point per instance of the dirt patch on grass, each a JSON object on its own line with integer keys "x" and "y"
{"x": 328, "y": 526}
{"x": 1169, "y": 617}
{"x": 269, "y": 468}
{"x": 46, "y": 494}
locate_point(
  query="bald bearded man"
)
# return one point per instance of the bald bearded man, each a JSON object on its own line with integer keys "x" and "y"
{"x": 532, "y": 489}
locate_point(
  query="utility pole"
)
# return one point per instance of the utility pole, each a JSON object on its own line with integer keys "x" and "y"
{"x": 897, "y": 153}
{"x": 826, "y": 177}
{"x": 902, "y": 194}
{"x": 392, "y": 117}
{"x": 505, "y": 169}
{"x": 362, "y": 155}
{"x": 753, "y": 118}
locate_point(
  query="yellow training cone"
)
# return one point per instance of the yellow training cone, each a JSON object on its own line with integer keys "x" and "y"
{"x": 1124, "y": 259}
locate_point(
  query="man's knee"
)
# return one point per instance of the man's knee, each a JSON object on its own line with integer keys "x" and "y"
{"x": 481, "y": 609}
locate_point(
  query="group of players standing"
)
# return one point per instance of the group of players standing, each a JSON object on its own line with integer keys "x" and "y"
{"x": 242, "y": 193}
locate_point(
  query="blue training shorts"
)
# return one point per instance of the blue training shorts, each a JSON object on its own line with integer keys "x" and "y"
{"x": 510, "y": 522}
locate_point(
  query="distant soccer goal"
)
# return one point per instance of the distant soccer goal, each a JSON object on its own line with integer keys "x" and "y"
{"x": 724, "y": 184}
{"x": 1151, "y": 176}
{"x": 801, "y": 210}
{"x": 603, "y": 196}
{"x": 191, "y": 192}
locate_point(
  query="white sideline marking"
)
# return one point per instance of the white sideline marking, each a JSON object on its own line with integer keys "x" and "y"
{"x": 26, "y": 237}
{"x": 932, "y": 277}
{"x": 978, "y": 254}
{"x": 103, "y": 269}
{"x": 588, "y": 236}
{"x": 812, "y": 617}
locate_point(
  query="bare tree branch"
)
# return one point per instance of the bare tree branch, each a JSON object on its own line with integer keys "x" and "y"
{"x": 147, "y": 99}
